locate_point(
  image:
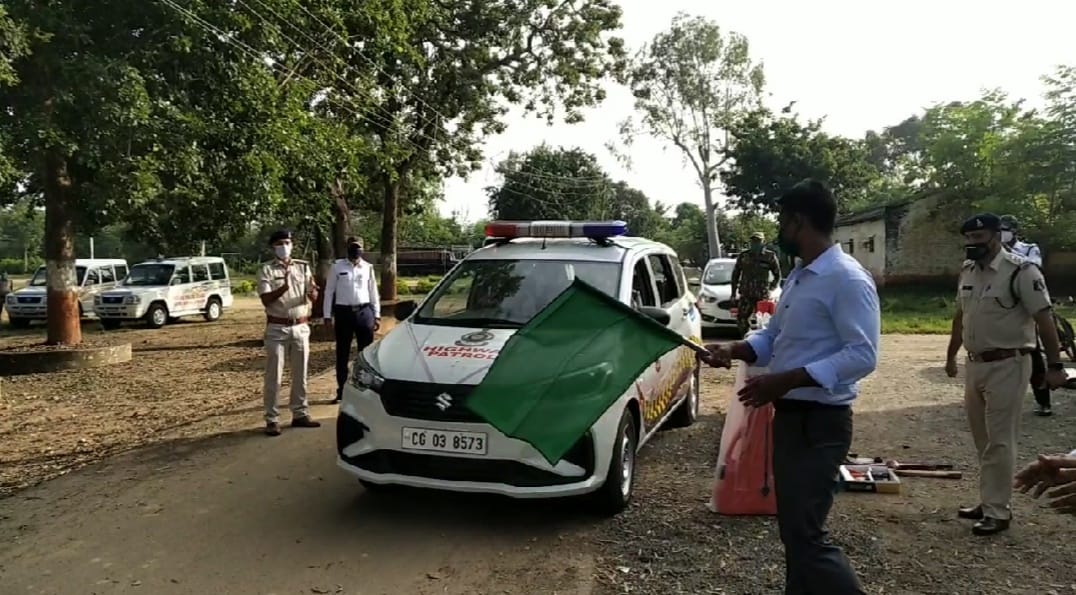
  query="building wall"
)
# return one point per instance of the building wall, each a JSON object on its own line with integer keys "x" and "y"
{"x": 859, "y": 234}
{"x": 925, "y": 245}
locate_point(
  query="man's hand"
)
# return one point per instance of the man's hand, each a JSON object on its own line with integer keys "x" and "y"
{"x": 1044, "y": 473}
{"x": 950, "y": 367}
{"x": 287, "y": 277}
{"x": 718, "y": 356}
{"x": 1063, "y": 498}
{"x": 767, "y": 388}
{"x": 1056, "y": 378}
{"x": 328, "y": 320}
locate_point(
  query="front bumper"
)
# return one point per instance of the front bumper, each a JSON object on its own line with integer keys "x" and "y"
{"x": 369, "y": 447}
{"x": 119, "y": 311}
{"x": 715, "y": 316}
{"x": 26, "y": 311}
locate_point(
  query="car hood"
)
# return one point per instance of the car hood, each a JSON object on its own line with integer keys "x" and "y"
{"x": 437, "y": 354}
{"x": 29, "y": 291}
{"x": 721, "y": 292}
{"x": 139, "y": 291}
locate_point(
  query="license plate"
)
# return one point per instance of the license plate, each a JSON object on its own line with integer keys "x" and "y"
{"x": 473, "y": 443}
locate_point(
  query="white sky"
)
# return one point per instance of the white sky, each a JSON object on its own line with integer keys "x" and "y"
{"x": 862, "y": 64}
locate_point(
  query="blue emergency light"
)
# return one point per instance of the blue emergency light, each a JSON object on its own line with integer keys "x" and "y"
{"x": 594, "y": 230}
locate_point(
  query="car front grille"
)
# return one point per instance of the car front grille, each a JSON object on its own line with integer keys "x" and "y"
{"x": 112, "y": 300}
{"x": 428, "y": 401}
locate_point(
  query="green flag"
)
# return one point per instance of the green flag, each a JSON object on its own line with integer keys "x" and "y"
{"x": 556, "y": 376}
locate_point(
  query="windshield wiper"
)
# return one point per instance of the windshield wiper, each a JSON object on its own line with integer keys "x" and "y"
{"x": 484, "y": 322}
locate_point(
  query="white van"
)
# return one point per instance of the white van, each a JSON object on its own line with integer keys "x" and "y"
{"x": 93, "y": 275}
{"x": 168, "y": 288}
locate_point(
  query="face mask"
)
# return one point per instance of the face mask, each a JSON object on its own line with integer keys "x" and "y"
{"x": 1007, "y": 237}
{"x": 353, "y": 252}
{"x": 756, "y": 246}
{"x": 283, "y": 252}
{"x": 976, "y": 251}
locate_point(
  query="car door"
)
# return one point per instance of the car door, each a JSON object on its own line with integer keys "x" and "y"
{"x": 649, "y": 385}
{"x": 673, "y": 297}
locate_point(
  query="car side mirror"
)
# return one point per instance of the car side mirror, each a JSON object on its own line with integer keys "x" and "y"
{"x": 176, "y": 281}
{"x": 657, "y": 314}
{"x": 404, "y": 309}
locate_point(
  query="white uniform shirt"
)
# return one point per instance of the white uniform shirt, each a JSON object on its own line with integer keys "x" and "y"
{"x": 351, "y": 285}
{"x": 1030, "y": 252}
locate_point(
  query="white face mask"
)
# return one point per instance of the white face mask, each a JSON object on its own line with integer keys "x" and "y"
{"x": 283, "y": 251}
{"x": 1006, "y": 237}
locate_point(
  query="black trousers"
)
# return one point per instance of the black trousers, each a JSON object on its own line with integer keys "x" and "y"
{"x": 810, "y": 442}
{"x": 1038, "y": 374}
{"x": 351, "y": 323}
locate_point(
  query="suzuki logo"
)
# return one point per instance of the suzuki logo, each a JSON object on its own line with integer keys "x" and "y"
{"x": 444, "y": 401}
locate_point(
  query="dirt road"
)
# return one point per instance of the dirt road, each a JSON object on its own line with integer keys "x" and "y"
{"x": 212, "y": 506}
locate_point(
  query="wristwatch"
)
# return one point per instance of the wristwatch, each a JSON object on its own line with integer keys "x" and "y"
{"x": 1056, "y": 366}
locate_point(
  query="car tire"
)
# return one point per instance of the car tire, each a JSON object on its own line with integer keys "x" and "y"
{"x": 212, "y": 310}
{"x": 110, "y": 324}
{"x": 615, "y": 494}
{"x": 18, "y": 322}
{"x": 157, "y": 315}
{"x": 688, "y": 410}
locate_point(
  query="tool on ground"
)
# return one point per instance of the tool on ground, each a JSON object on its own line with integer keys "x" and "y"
{"x": 929, "y": 473}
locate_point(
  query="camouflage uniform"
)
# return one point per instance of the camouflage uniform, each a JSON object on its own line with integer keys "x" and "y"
{"x": 751, "y": 281}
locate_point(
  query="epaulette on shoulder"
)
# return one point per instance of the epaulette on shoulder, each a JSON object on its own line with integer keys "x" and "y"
{"x": 968, "y": 264}
{"x": 1013, "y": 257}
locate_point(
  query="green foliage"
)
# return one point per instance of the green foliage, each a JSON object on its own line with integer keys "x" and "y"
{"x": 403, "y": 287}
{"x": 423, "y": 286}
{"x": 243, "y": 287}
{"x": 552, "y": 183}
{"x": 18, "y": 266}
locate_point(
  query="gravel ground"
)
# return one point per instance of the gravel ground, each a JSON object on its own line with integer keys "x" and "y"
{"x": 194, "y": 379}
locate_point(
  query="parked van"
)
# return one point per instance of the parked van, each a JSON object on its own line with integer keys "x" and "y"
{"x": 168, "y": 288}
{"x": 93, "y": 275}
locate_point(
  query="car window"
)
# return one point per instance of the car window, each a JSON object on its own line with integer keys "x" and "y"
{"x": 105, "y": 274}
{"x": 508, "y": 293}
{"x": 642, "y": 288}
{"x": 148, "y": 275}
{"x": 664, "y": 279}
{"x": 201, "y": 272}
{"x": 216, "y": 271}
{"x": 90, "y": 277}
{"x": 121, "y": 271}
{"x": 718, "y": 273}
{"x": 183, "y": 273}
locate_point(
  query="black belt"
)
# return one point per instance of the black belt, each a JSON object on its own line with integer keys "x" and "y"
{"x": 996, "y": 355}
{"x": 802, "y": 405}
{"x": 352, "y": 307}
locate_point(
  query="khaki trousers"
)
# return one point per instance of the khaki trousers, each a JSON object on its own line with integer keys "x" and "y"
{"x": 293, "y": 344}
{"x": 993, "y": 395}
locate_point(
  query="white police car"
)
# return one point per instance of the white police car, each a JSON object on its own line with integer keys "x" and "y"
{"x": 403, "y": 418}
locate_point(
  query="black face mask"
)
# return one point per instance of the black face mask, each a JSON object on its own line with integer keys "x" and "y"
{"x": 354, "y": 252}
{"x": 976, "y": 251}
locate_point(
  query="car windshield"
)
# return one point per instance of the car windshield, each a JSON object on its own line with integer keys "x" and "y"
{"x": 149, "y": 275}
{"x": 508, "y": 293}
{"x": 718, "y": 273}
{"x": 40, "y": 278}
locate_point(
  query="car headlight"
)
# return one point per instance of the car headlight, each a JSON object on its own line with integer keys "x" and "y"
{"x": 132, "y": 299}
{"x": 364, "y": 376}
{"x": 97, "y": 299}
{"x": 11, "y": 299}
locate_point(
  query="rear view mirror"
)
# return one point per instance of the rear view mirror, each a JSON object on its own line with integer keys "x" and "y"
{"x": 661, "y": 316}
{"x": 405, "y": 309}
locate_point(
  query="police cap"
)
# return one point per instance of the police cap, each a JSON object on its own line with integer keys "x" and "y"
{"x": 988, "y": 221}
{"x": 1009, "y": 222}
{"x": 758, "y": 235}
{"x": 279, "y": 235}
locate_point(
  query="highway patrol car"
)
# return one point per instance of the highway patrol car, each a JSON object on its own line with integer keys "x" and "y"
{"x": 403, "y": 418}
{"x": 164, "y": 289}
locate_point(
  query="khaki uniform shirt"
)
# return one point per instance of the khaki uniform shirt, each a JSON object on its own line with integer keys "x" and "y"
{"x": 993, "y": 317}
{"x": 293, "y": 304}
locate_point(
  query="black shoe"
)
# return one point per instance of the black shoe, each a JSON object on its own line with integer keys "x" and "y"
{"x": 272, "y": 429}
{"x": 304, "y": 422}
{"x": 989, "y": 526}
{"x": 1043, "y": 411}
{"x": 974, "y": 513}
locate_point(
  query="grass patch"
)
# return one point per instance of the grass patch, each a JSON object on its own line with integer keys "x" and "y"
{"x": 914, "y": 311}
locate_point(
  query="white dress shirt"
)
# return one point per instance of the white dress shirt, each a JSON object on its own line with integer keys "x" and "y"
{"x": 351, "y": 284}
{"x": 1028, "y": 251}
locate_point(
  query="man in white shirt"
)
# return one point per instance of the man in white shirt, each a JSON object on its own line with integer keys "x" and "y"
{"x": 351, "y": 298}
{"x": 1010, "y": 226}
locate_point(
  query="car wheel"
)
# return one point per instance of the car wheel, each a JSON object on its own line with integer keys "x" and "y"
{"x": 688, "y": 411}
{"x": 110, "y": 324}
{"x": 615, "y": 494}
{"x": 212, "y": 310}
{"x": 18, "y": 322}
{"x": 157, "y": 316}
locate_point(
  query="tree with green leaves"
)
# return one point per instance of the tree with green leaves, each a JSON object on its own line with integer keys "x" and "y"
{"x": 552, "y": 183}
{"x": 691, "y": 84}
{"x": 633, "y": 206}
{"x": 771, "y": 152}
{"x": 450, "y": 84}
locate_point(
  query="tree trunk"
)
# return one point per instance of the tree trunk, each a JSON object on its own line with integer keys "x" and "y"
{"x": 389, "y": 213}
{"x": 325, "y": 262}
{"x": 64, "y": 325}
{"x": 341, "y": 220}
{"x": 713, "y": 240}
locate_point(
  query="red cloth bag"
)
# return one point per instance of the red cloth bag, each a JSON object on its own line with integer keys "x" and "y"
{"x": 743, "y": 479}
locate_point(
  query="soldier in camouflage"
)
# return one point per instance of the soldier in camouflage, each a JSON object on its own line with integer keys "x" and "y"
{"x": 751, "y": 280}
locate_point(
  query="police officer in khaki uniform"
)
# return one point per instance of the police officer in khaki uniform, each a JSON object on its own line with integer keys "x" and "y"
{"x": 754, "y": 276}
{"x": 286, "y": 288}
{"x": 1001, "y": 299}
